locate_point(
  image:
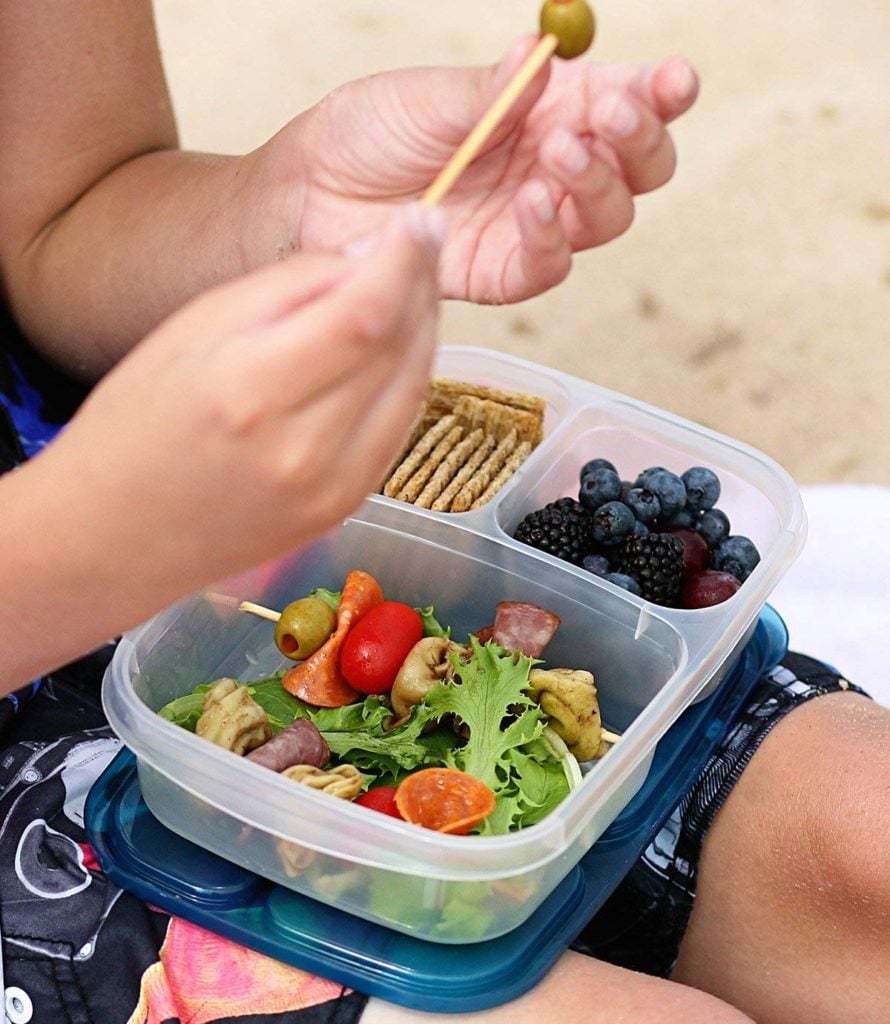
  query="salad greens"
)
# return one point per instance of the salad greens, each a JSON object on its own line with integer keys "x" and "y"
{"x": 509, "y": 745}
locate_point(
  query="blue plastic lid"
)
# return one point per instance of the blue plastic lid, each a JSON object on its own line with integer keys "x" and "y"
{"x": 144, "y": 857}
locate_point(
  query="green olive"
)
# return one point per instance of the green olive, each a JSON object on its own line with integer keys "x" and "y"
{"x": 303, "y": 627}
{"x": 573, "y": 24}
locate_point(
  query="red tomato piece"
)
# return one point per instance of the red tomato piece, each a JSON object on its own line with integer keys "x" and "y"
{"x": 377, "y": 644}
{"x": 380, "y": 798}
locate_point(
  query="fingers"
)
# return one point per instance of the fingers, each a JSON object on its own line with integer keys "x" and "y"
{"x": 600, "y": 203}
{"x": 363, "y": 322}
{"x": 641, "y": 143}
{"x": 669, "y": 88}
{"x": 544, "y": 255}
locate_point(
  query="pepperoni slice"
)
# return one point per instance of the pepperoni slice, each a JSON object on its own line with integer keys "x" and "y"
{"x": 318, "y": 680}
{"x": 444, "y": 799}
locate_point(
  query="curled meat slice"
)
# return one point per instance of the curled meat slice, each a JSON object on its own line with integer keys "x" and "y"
{"x": 299, "y": 743}
{"x": 524, "y": 627}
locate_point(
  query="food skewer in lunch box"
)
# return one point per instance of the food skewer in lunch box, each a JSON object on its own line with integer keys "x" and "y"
{"x": 312, "y": 632}
{"x": 567, "y": 30}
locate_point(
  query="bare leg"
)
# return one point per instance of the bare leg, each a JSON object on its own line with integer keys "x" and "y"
{"x": 792, "y": 917}
{"x": 581, "y": 989}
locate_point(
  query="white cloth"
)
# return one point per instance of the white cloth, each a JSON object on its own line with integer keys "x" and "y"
{"x": 835, "y": 599}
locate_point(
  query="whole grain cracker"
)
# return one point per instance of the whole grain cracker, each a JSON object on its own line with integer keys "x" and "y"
{"x": 444, "y": 392}
{"x": 486, "y": 447}
{"x": 412, "y": 489}
{"x": 497, "y": 418}
{"x": 486, "y": 473}
{"x": 508, "y": 469}
{"x": 448, "y": 468}
{"x": 412, "y": 461}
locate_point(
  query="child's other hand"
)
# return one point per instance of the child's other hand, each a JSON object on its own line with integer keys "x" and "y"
{"x": 559, "y": 176}
{"x": 257, "y": 417}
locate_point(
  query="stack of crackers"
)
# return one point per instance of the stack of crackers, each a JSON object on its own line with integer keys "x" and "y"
{"x": 467, "y": 443}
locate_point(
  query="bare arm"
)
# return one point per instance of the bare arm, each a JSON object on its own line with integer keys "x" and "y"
{"x": 97, "y": 202}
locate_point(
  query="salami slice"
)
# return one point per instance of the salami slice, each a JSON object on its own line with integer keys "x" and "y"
{"x": 520, "y": 626}
{"x": 299, "y": 743}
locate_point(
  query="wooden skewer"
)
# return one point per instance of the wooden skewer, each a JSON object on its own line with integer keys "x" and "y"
{"x": 469, "y": 148}
{"x": 258, "y": 609}
{"x": 609, "y": 737}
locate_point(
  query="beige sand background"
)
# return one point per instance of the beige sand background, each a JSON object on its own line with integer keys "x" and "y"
{"x": 752, "y": 294}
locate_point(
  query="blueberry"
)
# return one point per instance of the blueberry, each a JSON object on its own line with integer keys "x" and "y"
{"x": 598, "y": 487}
{"x": 682, "y": 519}
{"x": 644, "y": 476}
{"x": 597, "y": 564}
{"x": 593, "y": 465}
{"x": 640, "y": 529}
{"x": 645, "y": 505}
{"x": 624, "y": 581}
{"x": 714, "y": 526}
{"x": 702, "y": 488}
{"x": 612, "y": 522}
{"x": 669, "y": 488}
{"x": 736, "y": 555}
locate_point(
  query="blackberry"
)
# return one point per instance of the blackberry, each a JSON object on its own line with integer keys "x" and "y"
{"x": 656, "y": 563}
{"x": 558, "y": 531}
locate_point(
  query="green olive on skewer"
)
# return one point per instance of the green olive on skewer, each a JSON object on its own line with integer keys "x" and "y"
{"x": 572, "y": 22}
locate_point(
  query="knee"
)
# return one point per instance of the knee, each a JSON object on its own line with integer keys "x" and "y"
{"x": 691, "y": 1006}
{"x": 828, "y": 843}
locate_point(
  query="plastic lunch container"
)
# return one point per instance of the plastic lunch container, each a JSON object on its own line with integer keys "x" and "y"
{"x": 649, "y": 662}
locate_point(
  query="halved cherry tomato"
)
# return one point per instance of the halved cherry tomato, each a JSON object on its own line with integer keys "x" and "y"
{"x": 380, "y": 798}
{"x": 377, "y": 644}
{"x": 444, "y": 799}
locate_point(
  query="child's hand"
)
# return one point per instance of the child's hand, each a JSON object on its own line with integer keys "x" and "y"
{"x": 253, "y": 420}
{"x": 558, "y": 177}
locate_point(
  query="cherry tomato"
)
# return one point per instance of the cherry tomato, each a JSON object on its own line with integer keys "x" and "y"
{"x": 377, "y": 644}
{"x": 380, "y": 798}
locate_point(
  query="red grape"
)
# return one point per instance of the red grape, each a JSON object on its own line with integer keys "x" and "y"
{"x": 706, "y": 588}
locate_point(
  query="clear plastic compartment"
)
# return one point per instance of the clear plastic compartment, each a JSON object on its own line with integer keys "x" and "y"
{"x": 649, "y": 662}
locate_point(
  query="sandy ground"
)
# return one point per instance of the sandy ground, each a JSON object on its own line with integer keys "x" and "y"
{"x": 752, "y": 294}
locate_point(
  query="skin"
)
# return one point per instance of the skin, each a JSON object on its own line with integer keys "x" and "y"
{"x": 98, "y": 245}
{"x": 106, "y": 229}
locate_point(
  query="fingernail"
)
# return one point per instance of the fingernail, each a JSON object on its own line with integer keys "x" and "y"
{"x": 541, "y": 203}
{"x": 685, "y": 83}
{"x": 616, "y": 114}
{"x": 427, "y": 224}
{"x": 572, "y": 155}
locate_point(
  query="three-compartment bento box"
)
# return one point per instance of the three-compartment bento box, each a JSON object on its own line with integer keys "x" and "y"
{"x": 650, "y": 663}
